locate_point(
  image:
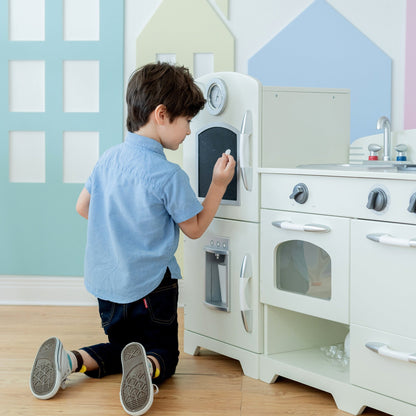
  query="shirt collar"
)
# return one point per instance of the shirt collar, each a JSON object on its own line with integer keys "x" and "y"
{"x": 145, "y": 142}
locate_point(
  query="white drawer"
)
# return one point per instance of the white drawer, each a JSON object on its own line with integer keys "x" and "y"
{"x": 379, "y": 373}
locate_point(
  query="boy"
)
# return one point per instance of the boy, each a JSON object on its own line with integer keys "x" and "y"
{"x": 135, "y": 202}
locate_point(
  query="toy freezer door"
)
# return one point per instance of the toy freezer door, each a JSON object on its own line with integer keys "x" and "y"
{"x": 211, "y": 143}
{"x": 63, "y": 99}
{"x": 239, "y": 124}
{"x": 240, "y": 323}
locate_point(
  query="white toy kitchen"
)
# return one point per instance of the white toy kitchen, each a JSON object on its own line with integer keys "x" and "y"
{"x": 307, "y": 270}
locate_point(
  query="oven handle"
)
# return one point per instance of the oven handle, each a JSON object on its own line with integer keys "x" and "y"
{"x": 392, "y": 241}
{"x": 246, "y": 274}
{"x": 246, "y": 169}
{"x": 385, "y": 351}
{"x": 313, "y": 228}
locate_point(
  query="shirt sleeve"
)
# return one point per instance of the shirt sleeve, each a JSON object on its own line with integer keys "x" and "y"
{"x": 180, "y": 199}
{"x": 88, "y": 184}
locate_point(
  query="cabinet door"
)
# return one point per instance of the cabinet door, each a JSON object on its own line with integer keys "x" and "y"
{"x": 382, "y": 362}
{"x": 241, "y": 116}
{"x": 383, "y": 283}
{"x": 305, "y": 263}
{"x": 241, "y": 324}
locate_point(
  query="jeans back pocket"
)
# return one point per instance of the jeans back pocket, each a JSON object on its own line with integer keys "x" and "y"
{"x": 163, "y": 304}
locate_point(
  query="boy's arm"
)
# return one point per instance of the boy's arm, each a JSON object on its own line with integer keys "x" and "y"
{"x": 222, "y": 175}
{"x": 83, "y": 203}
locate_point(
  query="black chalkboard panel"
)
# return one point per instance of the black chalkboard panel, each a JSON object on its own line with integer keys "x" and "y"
{"x": 212, "y": 143}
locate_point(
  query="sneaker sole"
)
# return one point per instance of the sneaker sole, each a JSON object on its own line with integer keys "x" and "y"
{"x": 44, "y": 378}
{"x": 136, "y": 390}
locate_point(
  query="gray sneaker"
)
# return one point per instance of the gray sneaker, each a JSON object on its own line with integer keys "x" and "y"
{"x": 136, "y": 390}
{"x": 50, "y": 369}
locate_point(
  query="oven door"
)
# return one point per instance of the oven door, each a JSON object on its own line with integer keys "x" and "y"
{"x": 305, "y": 263}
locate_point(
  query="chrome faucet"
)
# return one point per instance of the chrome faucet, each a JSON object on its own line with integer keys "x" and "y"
{"x": 384, "y": 123}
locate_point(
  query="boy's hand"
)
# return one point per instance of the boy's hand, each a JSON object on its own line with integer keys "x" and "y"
{"x": 222, "y": 175}
{"x": 223, "y": 170}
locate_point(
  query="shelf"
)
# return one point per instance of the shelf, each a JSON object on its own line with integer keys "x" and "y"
{"x": 304, "y": 363}
{"x": 310, "y": 367}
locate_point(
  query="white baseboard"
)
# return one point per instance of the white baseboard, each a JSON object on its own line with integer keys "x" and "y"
{"x": 44, "y": 290}
{"x": 48, "y": 290}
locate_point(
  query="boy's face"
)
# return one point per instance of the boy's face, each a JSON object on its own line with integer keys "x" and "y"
{"x": 175, "y": 132}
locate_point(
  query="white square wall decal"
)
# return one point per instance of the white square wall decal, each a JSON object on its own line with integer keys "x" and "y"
{"x": 27, "y": 20}
{"x": 81, "y": 86}
{"x": 81, "y": 20}
{"x": 81, "y": 151}
{"x": 169, "y": 58}
{"x": 203, "y": 64}
{"x": 27, "y": 86}
{"x": 27, "y": 156}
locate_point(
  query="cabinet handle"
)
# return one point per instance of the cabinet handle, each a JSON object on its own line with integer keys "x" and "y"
{"x": 245, "y": 275}
{"x": 392, "y": 241}
{"x": 385, "y": 351}
{"x": 246, "y": 169}
{"x": 312, "y": 228}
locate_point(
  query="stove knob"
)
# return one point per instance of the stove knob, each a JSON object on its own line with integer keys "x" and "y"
{"x": 377, "y": 200}
{"x": 412, "y": 204}
{"x": 300, "y": 193}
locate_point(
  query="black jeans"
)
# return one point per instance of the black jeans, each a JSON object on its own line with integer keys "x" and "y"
{"x": 151, "y": 321}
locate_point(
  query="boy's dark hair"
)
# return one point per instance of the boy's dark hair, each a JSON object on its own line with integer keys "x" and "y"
{"x": 161, "y": 83}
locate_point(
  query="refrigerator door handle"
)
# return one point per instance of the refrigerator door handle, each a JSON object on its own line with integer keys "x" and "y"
{"x": 245, "y": 152}
{"x": 245, "y": 276}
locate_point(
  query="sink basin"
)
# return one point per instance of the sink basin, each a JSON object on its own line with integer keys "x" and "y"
{"x": 406, "y": 167}
{"x": 365, "y": 166}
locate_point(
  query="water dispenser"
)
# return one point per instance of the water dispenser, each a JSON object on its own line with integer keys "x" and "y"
{"x": 217, "y": 276}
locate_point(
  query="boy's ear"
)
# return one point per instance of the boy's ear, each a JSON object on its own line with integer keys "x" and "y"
{"x": 161, "y": 114}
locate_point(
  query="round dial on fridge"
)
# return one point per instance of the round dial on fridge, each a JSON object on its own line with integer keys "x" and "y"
{"x": 216, "y": 96}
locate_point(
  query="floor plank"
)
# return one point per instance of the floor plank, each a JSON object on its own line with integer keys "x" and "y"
{"x": 207, "y": 385}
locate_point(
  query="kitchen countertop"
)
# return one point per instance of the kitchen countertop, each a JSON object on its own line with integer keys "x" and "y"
{"x": 350, "y": 173}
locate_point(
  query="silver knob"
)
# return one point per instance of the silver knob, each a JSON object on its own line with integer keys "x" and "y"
{"x": 401, "y": 150}
{"x": 300, "y": 193}
{"x": 377, "y": 199}
{"x": 412, "y": 204}
{"x": 373, "y": 149}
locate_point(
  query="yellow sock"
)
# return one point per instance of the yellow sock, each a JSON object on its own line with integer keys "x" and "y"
{"x": 154, "y": 371}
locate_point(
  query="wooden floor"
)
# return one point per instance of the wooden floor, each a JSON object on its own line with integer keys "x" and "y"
{"x": 209, "y": 384}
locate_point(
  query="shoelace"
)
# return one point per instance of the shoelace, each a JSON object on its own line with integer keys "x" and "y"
{"x": 155, "y": 389}
{"x": 64, "y": 383}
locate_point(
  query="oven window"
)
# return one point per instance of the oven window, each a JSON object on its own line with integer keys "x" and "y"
{"x": 212, "y": 143}
{"x": 303, "y": 268}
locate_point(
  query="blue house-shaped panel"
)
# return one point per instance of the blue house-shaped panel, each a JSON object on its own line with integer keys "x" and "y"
{"x": 322, "y": 49}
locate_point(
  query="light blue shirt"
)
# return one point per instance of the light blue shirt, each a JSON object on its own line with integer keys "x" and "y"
{"x": 138, "y": 198}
